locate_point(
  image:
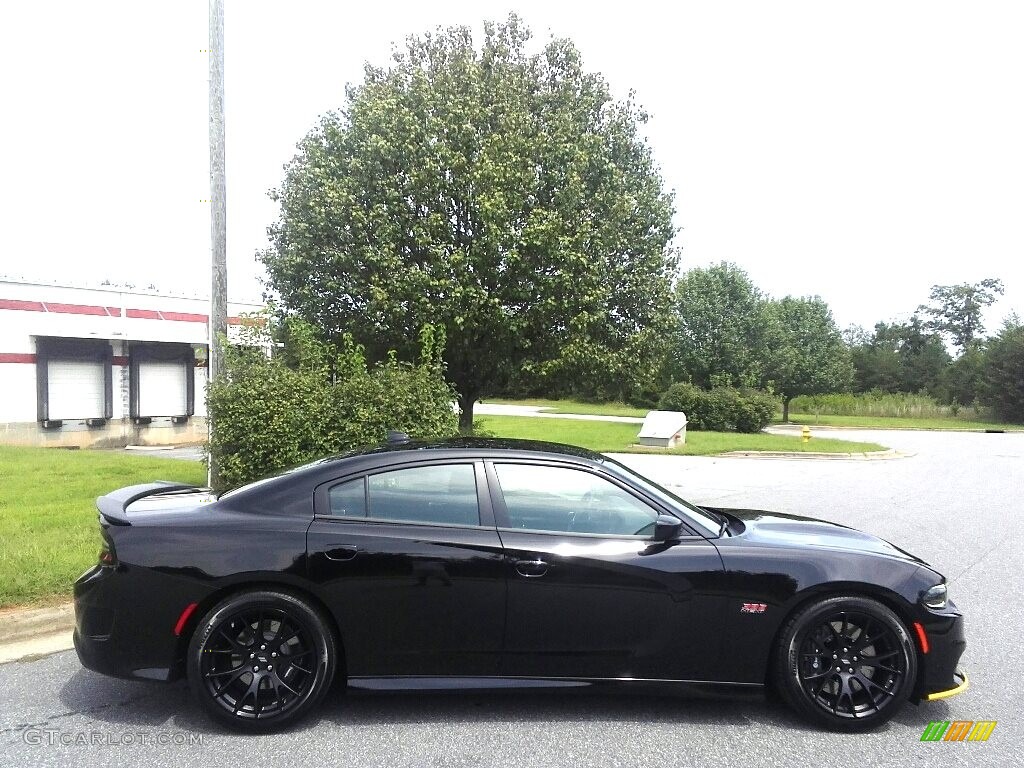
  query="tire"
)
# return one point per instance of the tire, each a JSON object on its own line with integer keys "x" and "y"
{"x": 260, "y": 661}
{"x": 820, "y": 645}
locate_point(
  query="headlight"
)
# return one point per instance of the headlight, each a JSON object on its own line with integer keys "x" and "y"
{"x": 935, "y": 597}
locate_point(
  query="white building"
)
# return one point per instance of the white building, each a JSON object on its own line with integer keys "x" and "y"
{"x": 103, "y": 366}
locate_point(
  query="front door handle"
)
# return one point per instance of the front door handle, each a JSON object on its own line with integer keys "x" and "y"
{"x": 531, "y": 568}
{"x": 344, "y": 552}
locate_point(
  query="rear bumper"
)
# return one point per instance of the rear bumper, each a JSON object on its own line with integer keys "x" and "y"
{"x": 939, "y": 670}
{"x": 119, "y": 632}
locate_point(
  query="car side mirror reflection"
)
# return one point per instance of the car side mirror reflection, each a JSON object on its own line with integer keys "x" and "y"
{"x": 667, "y": 528}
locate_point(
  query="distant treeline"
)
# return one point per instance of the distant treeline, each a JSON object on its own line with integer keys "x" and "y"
{"x": 723, "y": 331}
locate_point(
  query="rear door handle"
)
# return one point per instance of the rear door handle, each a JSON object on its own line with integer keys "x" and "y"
{"x": 344, "y": 552}
{"x": 531, "y": 568}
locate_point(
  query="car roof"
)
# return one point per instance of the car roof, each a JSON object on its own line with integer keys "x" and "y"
{"x": 277, "y": 492}
{"x": 476, "y": 446}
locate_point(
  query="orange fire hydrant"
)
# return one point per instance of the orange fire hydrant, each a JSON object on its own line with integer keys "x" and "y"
{"x": 806, "y": 433}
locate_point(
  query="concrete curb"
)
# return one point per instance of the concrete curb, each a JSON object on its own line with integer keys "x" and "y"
{"x": 20, "y": 624}
{"x": 867, "y": 456}
{"x": 37, "y": 648}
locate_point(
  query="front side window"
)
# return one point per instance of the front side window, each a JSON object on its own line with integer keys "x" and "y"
{"x": 443, "y": 494}
{"x": 543, "y": 498}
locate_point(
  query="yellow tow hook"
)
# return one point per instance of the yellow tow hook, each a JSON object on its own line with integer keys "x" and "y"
{"x": 806, "y": 433}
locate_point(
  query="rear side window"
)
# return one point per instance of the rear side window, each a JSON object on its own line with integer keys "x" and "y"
{"x": 349, "y": 499}
{"x": 442, "y": 494}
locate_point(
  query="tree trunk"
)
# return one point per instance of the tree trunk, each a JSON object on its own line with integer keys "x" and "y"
{"x": 466, "y": 403}
{"x": 785, "y": 409}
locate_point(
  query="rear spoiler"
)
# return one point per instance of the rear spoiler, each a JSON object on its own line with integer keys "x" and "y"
{"x": 113, "y": 506}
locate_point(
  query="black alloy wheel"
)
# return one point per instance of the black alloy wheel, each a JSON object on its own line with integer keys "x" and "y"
{"x": 847, "y": 663}
{"x": 261, "y": 660}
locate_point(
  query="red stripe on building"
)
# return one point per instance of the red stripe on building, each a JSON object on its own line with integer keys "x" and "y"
{"x": 27, "y": 306}
{"x": 184, "y": 317}
{"x": 19, "y": 357}
{"x": 138, "y": 314}
{"x": 75, "y": 309}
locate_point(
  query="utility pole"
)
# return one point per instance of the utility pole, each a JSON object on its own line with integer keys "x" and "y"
{"x": 218, "y": 323}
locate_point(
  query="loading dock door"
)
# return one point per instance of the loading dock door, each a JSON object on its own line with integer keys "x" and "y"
{"x": 77, "y": 389}
{"x": 162, "y": 380}
{"x": 163, "y": 388}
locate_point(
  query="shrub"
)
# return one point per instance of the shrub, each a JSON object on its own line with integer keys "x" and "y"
{"x": 756, "y": 410}
{"x": 314, "y": 400}
{"x": 684, "y": 397}
{"x": 722, "y": 409}
{"x": 718, "y": 408}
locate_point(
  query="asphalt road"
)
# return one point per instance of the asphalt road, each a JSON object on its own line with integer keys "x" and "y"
{"x": 957, "y": 503}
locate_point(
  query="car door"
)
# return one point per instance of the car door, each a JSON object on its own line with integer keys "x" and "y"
{"x": 410, "y": 563}
{"x": 590, "y": 593}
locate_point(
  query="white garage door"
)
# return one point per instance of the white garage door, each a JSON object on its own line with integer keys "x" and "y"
{"x": 162, "y": 389}
{"x": 76, "y": 389}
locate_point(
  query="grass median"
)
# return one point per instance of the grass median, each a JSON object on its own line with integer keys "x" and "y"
{"x": 48, "y": 513}
{"x": 575, "y": 406}
{"x": 824, "y": 420}
{"x": 611, "y": 437}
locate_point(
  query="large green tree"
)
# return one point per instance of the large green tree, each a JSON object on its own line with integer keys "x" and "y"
{"x": 721, "y": 327}
{"x": 899, "y": 357}
{"x": 808, "y": 354}
{"x": 501, "y": 194}
{"x": 1003, "y": 388}
{"x": 955, "y": 310}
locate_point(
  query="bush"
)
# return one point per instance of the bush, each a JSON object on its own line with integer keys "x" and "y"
{"x": 684, "y": 397}
{"x": 756, "y": 410}
{"x": 314, "y": 400}
{"x": 722, "y": 409}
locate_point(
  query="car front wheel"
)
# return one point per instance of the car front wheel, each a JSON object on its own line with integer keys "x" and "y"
{"x": 846, "y": 663}
{"x": 259, "y": 661}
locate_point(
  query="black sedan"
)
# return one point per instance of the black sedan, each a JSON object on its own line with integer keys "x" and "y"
{"x": 475, "y": 563}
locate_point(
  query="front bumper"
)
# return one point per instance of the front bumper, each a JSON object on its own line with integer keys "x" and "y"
{"x": 939, "y": 674}
{"x": 962, "y": 684}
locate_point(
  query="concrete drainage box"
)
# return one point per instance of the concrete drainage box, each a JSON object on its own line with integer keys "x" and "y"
{"x": 663, "y": 429}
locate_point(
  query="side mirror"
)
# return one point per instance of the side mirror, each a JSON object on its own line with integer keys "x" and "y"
{"x": 667, "y": 528}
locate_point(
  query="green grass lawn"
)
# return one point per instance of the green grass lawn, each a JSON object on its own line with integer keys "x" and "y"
{"x": 576, "y": 406}
{"x": 873, "y": 422}
{"x": 612, "y": 437}
{"x": 898, "y": 422}
{"x": 48, "y": 525}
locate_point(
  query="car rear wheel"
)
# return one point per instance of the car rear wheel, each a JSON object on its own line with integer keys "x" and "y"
{"x": 846, "y": 663}
{"x": 259, "y": 661}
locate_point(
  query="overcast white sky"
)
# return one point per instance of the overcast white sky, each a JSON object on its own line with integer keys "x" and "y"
{"x": 860, "y": 150}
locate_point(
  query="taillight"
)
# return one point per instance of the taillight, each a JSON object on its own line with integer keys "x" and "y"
{"x": 108, "y": 557}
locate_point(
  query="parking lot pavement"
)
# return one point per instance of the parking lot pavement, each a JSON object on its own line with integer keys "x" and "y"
{"x": 957, "y": 503}
{"x": 187, "y": 452}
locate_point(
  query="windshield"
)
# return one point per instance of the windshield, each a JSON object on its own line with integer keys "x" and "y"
{"x": 701, "y": 517}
